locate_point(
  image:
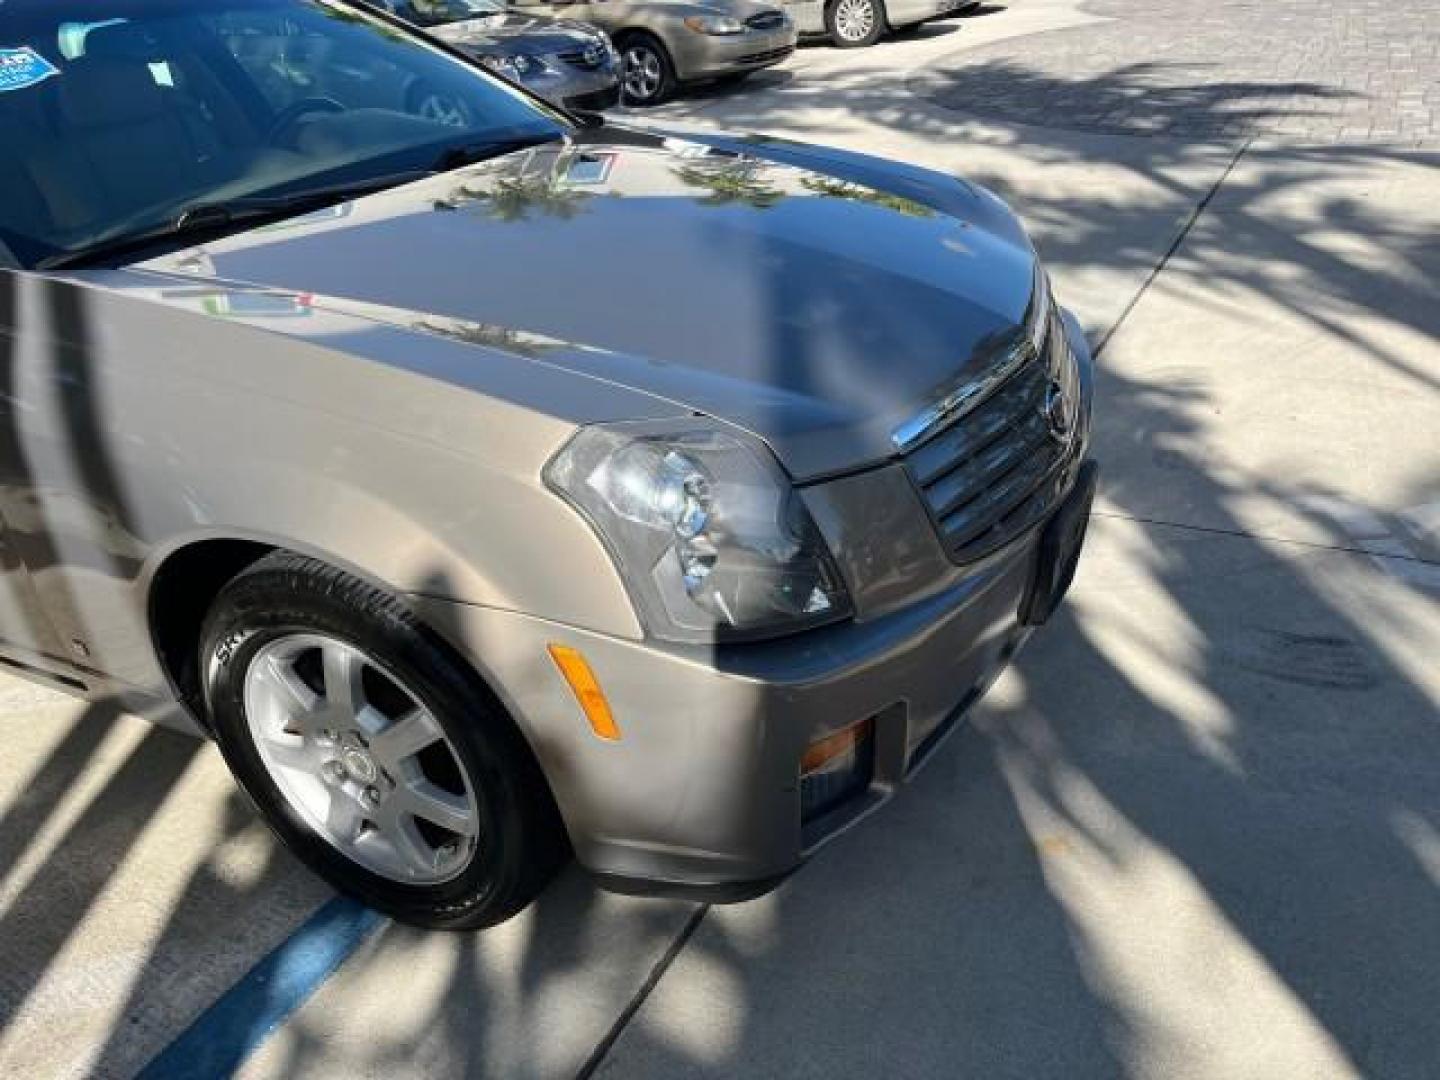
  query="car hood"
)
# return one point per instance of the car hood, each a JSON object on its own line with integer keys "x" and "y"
{"x": 816, "y": 298}
{"x": 517, "y": 34}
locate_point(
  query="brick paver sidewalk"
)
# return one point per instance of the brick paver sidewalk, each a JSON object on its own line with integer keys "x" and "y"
{"x": 1313, "y": 71}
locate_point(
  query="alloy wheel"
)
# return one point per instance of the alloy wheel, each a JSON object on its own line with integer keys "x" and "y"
{"x": 855, "y": 19}
{"x": 356, "y": 754}
{"x": 643, "y": 72}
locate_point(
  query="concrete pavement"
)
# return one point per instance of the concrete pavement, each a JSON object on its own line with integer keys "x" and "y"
{"x": 135, "y": 887}
{"x": 1195, "y": 832}
{"x": 1318, "y": 74}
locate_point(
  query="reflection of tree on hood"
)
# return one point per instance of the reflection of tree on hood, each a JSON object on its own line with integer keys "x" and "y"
{"x": 512, "y": 198}
{"x": 502, "y": 338}
{"x": 831, "y": 188}
{"x": 732, "y": 180}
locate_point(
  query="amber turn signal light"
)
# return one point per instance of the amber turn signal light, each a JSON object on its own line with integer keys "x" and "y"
{"x": 576, "y": 670}
{"x": 818, "y": 754}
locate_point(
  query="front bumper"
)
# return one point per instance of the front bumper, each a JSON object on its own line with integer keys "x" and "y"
{"x": 607, "y": 97}
{"x": 703, "y": 56}
{"x": 575, "y": 88}
{"x": 701, "y": 796}
{"x": 703, "y": 787}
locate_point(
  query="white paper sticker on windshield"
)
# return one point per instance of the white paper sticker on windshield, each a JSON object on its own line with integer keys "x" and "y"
{"x": 23, "y": 68}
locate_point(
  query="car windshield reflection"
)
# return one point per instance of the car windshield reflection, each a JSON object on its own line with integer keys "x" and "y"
{"x": 122, "y": 121}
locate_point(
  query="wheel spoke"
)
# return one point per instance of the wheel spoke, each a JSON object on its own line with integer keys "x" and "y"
{"x": 286, "y": 753}
{"x": 344, "y": 818}
{"x": 292, "y": 696}
{"x": 344, "y": 693}
{"x": 400, "y": 834}
{"x": 440, "y": 807}
{"x": 405, "y": 738}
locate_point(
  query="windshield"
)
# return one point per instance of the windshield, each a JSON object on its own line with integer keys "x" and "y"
{"x": 441, "y": 12}
{"x": 121, "y": 114}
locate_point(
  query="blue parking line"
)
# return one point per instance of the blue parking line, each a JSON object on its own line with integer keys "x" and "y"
{"x": 224, "y": 1035}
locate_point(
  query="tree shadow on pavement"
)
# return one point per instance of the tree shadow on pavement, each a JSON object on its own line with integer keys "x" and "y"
{"x": 108, "y": 886}
{"x": 1149, "y": 98}
{"x": 1208, "y": 786}
{"x": 1196, "y": 831}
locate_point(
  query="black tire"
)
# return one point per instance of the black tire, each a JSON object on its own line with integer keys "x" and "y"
{"x": 839, "y": 39}
{"x": 522, "y": 841}
{"x": 631, "y": 47}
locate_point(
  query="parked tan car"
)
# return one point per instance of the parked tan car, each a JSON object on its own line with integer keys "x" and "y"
{"x": 344, "y": 435}
{"x": 665, "y": 44}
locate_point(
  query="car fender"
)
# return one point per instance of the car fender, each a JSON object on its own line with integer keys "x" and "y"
{"x": 141, "y": 426}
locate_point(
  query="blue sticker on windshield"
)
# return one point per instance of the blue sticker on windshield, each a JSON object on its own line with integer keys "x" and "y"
{"x": 22, "y": 68}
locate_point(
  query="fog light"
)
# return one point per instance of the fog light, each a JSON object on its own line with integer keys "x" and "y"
{"x": 836, "y": 768}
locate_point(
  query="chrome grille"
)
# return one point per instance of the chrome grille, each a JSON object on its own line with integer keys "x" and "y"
{"x": 998, "y": 466}
{"x": 766, "y": 20}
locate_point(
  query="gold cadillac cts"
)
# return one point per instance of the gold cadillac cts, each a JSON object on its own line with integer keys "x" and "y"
{"x": 492, "y": 483}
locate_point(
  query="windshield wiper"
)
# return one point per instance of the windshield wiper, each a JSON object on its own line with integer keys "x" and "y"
{"x": 222, "y": 216}
{"x": 225, "y": 215}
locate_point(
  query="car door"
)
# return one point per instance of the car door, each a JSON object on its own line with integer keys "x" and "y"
{"x": 27, "y": 634}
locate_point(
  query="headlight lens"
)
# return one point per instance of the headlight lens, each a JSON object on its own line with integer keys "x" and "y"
{"x": 718, "y": 25}
{"x": 517, "y": 67}
{"x": 709, "y": 534}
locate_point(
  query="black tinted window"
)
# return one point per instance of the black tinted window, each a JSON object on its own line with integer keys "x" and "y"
{"x": 120, "y": 115}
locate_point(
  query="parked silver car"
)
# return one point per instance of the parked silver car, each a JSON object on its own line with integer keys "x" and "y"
{"x": 853, "y": 24}
{"x": 569, "y": 63}
{"x": 327, "y": 431}
{"x": 665, "y": 44}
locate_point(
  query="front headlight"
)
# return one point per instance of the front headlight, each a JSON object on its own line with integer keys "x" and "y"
{"x": 717, "y": 25}
{"x": 517, "y": 67}
{"x": 710, "y": 536}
